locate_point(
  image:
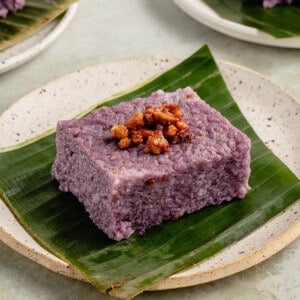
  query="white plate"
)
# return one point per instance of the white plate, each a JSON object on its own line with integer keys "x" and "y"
{"x": 272, "y": 112}
{"x": 33, "y": 45}
{"x": 205, "y": 15}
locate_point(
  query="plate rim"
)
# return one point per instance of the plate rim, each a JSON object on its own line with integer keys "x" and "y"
{"x": 233, "y": 29}
{"x": 174, "y": 281}
{"x": 41, "y": 45}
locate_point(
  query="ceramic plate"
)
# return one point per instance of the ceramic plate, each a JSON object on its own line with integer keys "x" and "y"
{"x": 273, "y": 113}
{"x": 33, "y": 45}
{"x": 205, "y": 15}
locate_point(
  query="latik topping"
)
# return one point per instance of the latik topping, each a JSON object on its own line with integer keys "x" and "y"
{"x": 156, "y": 127}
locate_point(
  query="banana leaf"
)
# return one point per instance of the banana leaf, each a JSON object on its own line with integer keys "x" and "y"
{"x": 281, "y": 21}
{"x": 126, "y": 268}
{"x": 33, "y": 17}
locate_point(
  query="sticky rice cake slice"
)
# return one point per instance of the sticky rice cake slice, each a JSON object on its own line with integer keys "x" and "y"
{"x": 128, "y": 190}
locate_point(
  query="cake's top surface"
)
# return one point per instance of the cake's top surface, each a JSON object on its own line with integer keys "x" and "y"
{"x": 213, "y": 136}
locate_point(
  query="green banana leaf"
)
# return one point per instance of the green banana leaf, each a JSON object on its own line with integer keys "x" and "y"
{"x": 33, "y": 17}
{"x": 280, "y": 21}
{"x": 126, "y": 268}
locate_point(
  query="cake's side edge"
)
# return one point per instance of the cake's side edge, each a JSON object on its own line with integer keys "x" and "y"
{"x": 75, "y": 171}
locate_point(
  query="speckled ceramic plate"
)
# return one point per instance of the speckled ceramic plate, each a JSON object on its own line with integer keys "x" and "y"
{"x": 33, "y": 45}
{"x": 273, "y": 113}
{"x": 205, "y": 15}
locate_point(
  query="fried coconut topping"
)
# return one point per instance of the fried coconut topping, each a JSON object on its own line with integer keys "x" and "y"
{"x": 157, "y": 128}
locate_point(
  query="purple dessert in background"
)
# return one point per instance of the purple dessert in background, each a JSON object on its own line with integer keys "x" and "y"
{"x": 272, "y": 3}
{"x": 127, "y": 191}
{"x": 10, "y": 5}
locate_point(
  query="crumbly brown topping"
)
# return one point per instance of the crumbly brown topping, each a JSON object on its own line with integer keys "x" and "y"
{"x": 135, "y": 121}
{"x": 156, "y": 127}
{"x": 124, "y": 143}
{"x": 157, "y": 143}
{"x": 119, "y": 131}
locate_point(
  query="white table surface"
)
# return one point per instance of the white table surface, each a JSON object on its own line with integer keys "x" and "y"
{"x": 106, "y": 30}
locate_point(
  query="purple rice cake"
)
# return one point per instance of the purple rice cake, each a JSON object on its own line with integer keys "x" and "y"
{"x": 126, "y": 191}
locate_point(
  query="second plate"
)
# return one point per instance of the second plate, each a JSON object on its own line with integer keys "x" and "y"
{"x": 205, "y": 15}
{"x": 33, "y": 45}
